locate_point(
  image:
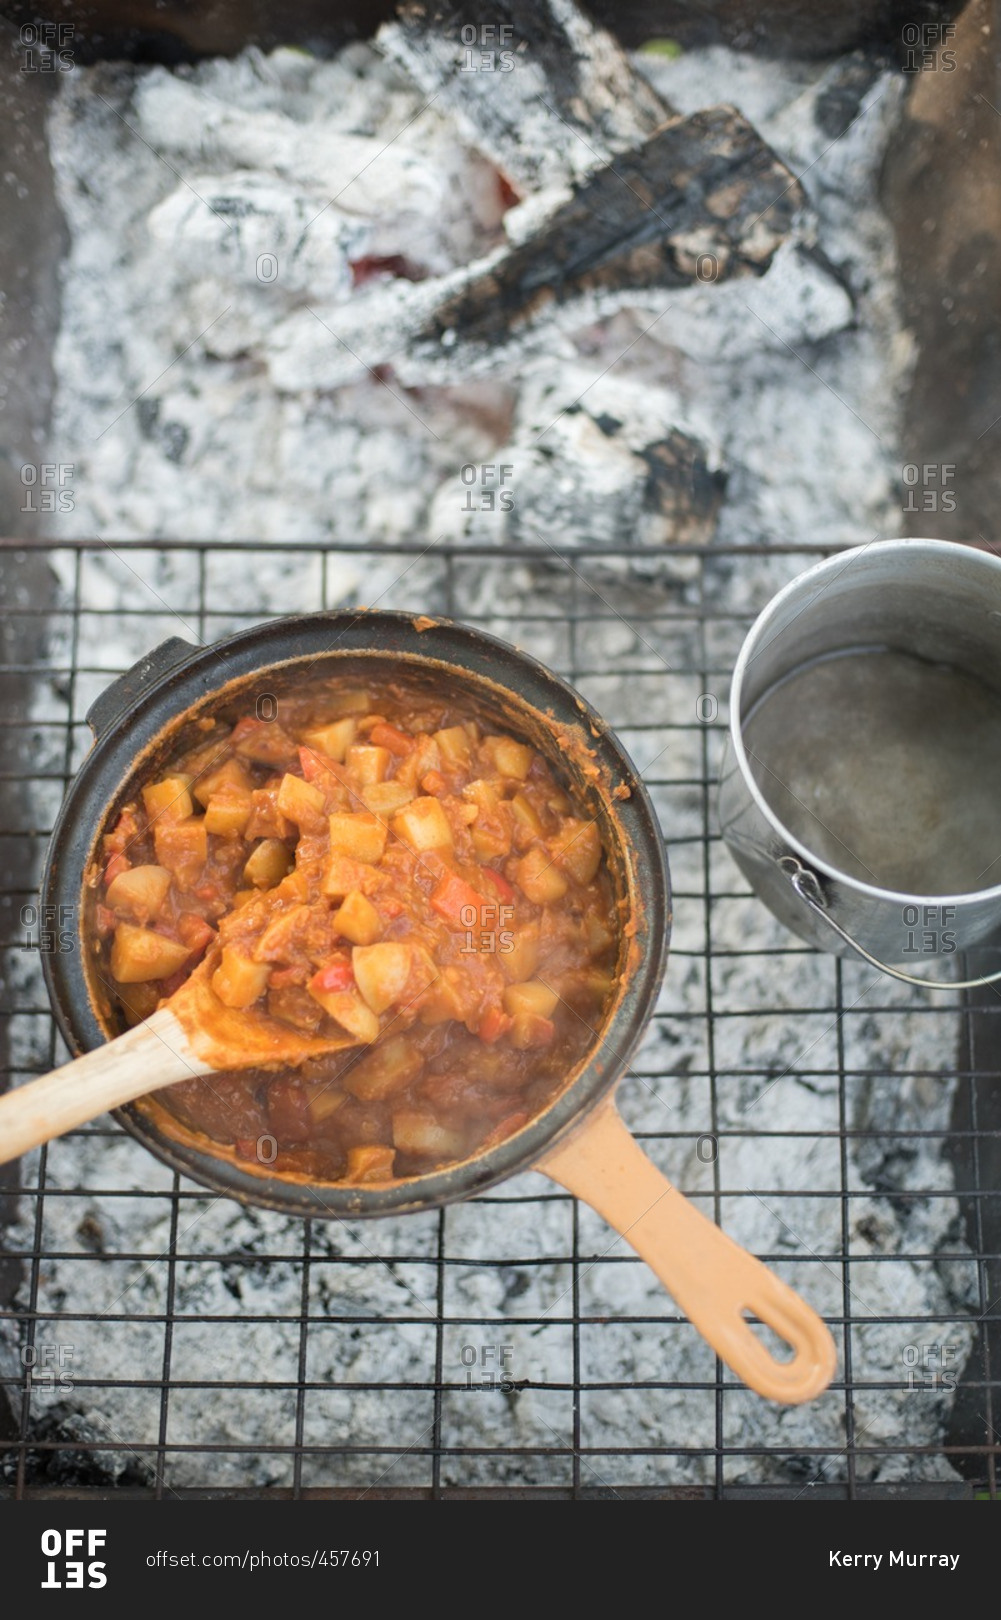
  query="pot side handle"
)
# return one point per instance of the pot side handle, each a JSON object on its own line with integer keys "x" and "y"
{"x": 713, "y": 1280}
{"x": 121, "y": 696}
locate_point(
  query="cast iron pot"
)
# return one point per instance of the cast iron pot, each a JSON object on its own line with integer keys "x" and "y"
{"x": 146, "y": 716}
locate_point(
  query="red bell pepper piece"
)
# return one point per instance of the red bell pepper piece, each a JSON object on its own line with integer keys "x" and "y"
{"x": 195, "y": 932}
{"x": 386, "y": 736}
{"x": 493, "y": 1025}
{"x": 505, "y": 893}
{"x": 457, "y": 902}
{"x": 336, "y": 975}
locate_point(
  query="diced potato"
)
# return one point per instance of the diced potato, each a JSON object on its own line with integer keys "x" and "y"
{"x": 482, "y": 793}
{"x": 242, "y": 896}
{"x": 140, "y": 892}
{"x": 348, "y": 1009}
{"x": 381, "y": 972}
{"x": 324, "y": 1100}
{"x": 369, "y": 1162}
{"x": 453, "y": 742}
{"x": 384, "y": 798}
{"x": 342, "y": 874}
{"x": 367, "y": 763}
{"x": 357, "y": 919}
{"x": 237, "y": 981}
{"x": 275, "y": 944}
{"x": 227, "y": 813}
{"x": 294, "y": 886}
{"x": 529, "y": 1030}
{"x": 333, "y": 740}
{"x": 538, "y": 877}
{"x": 423, "y": 825}
{"x": 427, "y": 754}
{"x": 359, "y": 834}
{"x": 421, "y": 1134}
{"x": 139, "y": 954}
{"x": 510, "y": 758}
{"x": 300, "y": 801}
{"x": 524, "y": 811}
{"x": 491, "y": 842}
{"x": 182, "y": 847}
{"x": 230, "y": 774}
{"x": 530, "y": 997}
{"x": 267, "y": 864}
{"x": 447, "y": 999}
{"x": 577, "y": 848}
{"x": 391, "y": 1066}
{"x": 519, "y": 957}
{"x": 169, "y": 799}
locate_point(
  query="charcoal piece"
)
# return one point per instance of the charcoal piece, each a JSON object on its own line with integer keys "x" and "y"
{"x": 703, "y": 199}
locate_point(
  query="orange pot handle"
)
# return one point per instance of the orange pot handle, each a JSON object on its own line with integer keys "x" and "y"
{"x": 712, "y": 1279}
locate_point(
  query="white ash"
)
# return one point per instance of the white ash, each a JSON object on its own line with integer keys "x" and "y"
{"x": 217, "y": 450}
{"x": 211, "y": 407}
{"x": 773, "y": 1199}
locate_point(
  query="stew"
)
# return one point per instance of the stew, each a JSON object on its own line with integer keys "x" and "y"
{"x": 372, "y": 862}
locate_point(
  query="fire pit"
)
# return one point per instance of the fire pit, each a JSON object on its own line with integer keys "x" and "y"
{"x": 614, "y": 471}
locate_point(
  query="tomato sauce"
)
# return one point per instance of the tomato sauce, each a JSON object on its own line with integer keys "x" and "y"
{"x": 370, "y": 864}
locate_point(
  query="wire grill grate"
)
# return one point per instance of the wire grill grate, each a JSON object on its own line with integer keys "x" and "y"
{"x": 611, "y": 1391}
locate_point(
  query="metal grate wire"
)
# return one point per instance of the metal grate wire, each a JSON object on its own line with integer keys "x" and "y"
{"x": 643, "y": 637}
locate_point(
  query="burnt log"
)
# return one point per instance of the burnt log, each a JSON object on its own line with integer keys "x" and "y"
{"x": 541, "y": 90}
{"x": 704, "y": 199}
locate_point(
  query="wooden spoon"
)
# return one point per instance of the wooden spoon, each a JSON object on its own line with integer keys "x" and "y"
{"x": 191, "y": 1034}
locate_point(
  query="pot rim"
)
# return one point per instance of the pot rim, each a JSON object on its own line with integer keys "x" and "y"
{"x": 157, "y": 700}
{"x": 838, "y": 563}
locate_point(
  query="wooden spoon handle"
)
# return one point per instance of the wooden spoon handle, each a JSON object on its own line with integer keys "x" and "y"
{"x": 713, "y": 1280}
{"x": 155, "y": 1053}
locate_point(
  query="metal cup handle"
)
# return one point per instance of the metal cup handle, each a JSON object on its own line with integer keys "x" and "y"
{"x": 807, "y": 886}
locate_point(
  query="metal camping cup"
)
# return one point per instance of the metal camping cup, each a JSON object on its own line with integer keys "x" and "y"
{"x": 860, "y": 792}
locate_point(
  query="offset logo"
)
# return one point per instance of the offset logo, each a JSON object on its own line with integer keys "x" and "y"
{"x": 67, "y": 1565}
